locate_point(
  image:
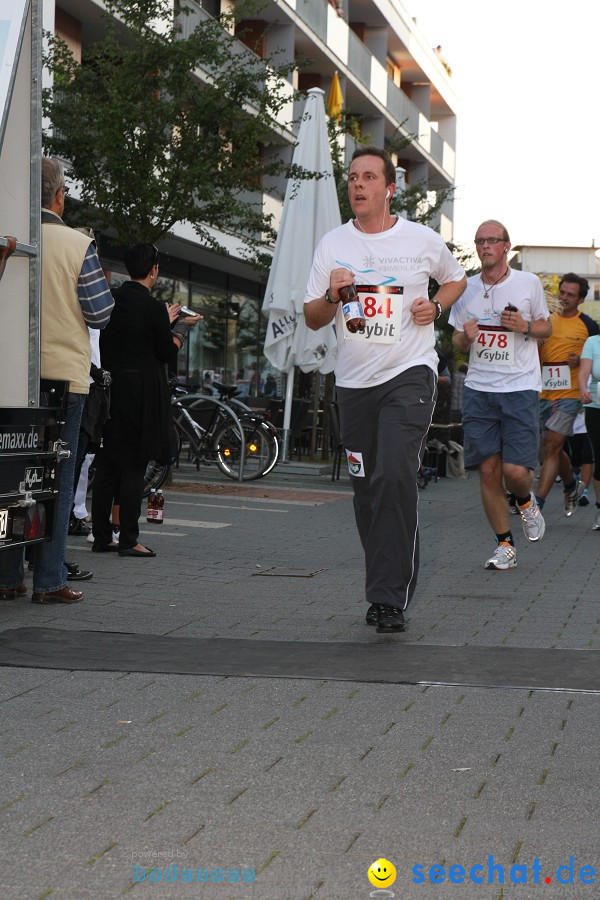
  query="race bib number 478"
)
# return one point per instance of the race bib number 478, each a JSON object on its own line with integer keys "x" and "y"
{"x": 494, "y": 347}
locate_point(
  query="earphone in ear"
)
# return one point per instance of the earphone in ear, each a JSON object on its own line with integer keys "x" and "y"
{"x": 387, "y": 194}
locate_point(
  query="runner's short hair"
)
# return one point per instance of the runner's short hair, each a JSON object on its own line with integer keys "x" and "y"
{"x": 389, "y": 169}
{"x": 505, "y": 234}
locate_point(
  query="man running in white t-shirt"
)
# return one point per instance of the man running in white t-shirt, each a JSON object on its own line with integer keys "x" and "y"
{"x": 497, "y": 320}
{"x": 386, "y": 376}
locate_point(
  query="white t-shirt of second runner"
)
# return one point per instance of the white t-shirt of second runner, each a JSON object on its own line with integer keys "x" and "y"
{"x": 401, "y": 260}
{"x": 501, "y": 361}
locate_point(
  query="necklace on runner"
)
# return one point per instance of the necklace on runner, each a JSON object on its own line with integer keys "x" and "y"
{"x": 488, "y": 288}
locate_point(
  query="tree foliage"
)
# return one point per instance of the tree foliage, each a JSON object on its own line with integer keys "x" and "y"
{"x": 164, "y": 124}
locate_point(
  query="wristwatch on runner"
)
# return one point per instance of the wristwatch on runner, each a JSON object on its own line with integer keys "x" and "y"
{"x": 439, "y": 309}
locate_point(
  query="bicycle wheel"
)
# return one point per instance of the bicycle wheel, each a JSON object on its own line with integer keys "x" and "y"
{"x": 261, "y": 448}
{"x": 274, "y": 451}
{"x": 155, "y": 476}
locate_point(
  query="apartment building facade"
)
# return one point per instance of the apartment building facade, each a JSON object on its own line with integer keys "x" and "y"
{"x": 392, "y": 81}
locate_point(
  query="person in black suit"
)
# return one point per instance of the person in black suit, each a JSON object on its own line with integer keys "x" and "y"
{"x": 135, "y": 347}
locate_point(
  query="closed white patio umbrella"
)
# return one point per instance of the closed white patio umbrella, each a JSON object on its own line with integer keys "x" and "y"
{"x": 310, "y": 210}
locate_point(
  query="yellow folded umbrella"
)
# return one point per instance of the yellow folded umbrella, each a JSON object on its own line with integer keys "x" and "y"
{"x": 335, "y": 99}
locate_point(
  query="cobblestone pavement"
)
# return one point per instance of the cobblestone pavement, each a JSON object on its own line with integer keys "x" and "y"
{"x": 304, "y": 783}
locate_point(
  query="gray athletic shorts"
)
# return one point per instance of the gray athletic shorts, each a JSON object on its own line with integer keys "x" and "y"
{"x": 559, "y": 415}
{"x": 507, "y": 424}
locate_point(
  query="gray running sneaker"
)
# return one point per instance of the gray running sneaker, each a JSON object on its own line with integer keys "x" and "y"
{"x": 533, "y": 521}
{"x": 505, "y": 557}
{"x": 596, "y": 525}
{"x": 572, "y": 498}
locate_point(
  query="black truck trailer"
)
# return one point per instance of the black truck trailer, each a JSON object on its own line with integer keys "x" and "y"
{"x": 31, "y": 411}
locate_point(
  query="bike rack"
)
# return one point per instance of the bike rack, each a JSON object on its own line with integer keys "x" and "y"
{"x": 202, "y": 398}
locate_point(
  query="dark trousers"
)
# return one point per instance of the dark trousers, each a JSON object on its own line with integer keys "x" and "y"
{"x": 386, "y": 426}
{"x": 592, "y": 424}
{"x": 127, "y": 478}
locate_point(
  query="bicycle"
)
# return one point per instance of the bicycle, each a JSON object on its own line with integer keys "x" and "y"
{"x": 210, "y": 429}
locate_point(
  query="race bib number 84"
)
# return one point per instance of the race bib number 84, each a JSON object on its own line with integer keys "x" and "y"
{"x": 382, "y": 309}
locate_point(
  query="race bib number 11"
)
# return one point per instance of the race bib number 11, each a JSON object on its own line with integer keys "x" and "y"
{"x": 556, "y": 377}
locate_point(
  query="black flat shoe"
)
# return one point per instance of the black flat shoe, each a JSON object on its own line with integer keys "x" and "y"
{"x": 104, "y": 548}
{"x": 133, "y": 552}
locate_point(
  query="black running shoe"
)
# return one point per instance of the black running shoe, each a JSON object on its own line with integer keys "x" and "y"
{"x": 390, "y": 619}
{"x": 74, "y": 573}
{"x": 79, "y": 527}
{"x": 371, "y": 617}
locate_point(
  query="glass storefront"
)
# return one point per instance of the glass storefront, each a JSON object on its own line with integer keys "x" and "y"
{"x": 227, "y": 343}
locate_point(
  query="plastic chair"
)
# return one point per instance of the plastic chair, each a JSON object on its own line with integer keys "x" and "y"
{"x": 299, "y": 415}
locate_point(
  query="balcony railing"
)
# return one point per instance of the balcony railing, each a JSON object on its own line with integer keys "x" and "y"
{"x": 314, "y": 14}
{"x": 359, "y": 59}
{"x": 403, "y": 109}
{"x": 436, "y": 149}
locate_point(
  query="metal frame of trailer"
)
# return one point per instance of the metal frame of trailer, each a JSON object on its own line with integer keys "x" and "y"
{"x": 31, "y": 411}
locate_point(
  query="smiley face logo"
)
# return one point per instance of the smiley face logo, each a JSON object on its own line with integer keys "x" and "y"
{"x": 382, "y": 873}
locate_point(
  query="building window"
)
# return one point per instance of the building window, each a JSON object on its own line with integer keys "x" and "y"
{"x": 212, "y": 7}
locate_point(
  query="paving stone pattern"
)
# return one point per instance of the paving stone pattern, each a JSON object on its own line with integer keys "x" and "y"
{"x": 305, "y": 782}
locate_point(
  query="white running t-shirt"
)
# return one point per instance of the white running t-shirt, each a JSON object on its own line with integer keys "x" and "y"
{"x": 390, "y": 270}
{"x": 500, "y": 360}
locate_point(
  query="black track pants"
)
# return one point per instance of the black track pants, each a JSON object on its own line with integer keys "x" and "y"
{"x": 384, "y": 429}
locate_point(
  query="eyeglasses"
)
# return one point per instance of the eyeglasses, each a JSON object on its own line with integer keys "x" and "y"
{"x": 486, "y": 240}
{"x": 155, "y": 263}
{"x": 65, "y": 189}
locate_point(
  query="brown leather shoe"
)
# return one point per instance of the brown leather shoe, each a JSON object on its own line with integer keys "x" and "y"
{"x": 11, "y": 593}
{"x": 64, "y": 595}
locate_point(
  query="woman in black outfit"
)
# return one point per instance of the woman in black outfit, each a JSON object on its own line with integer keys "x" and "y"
{"x": 135, "y": 347}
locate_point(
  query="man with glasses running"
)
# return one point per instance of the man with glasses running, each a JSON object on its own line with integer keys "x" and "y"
{"x": 498, "y": 321}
